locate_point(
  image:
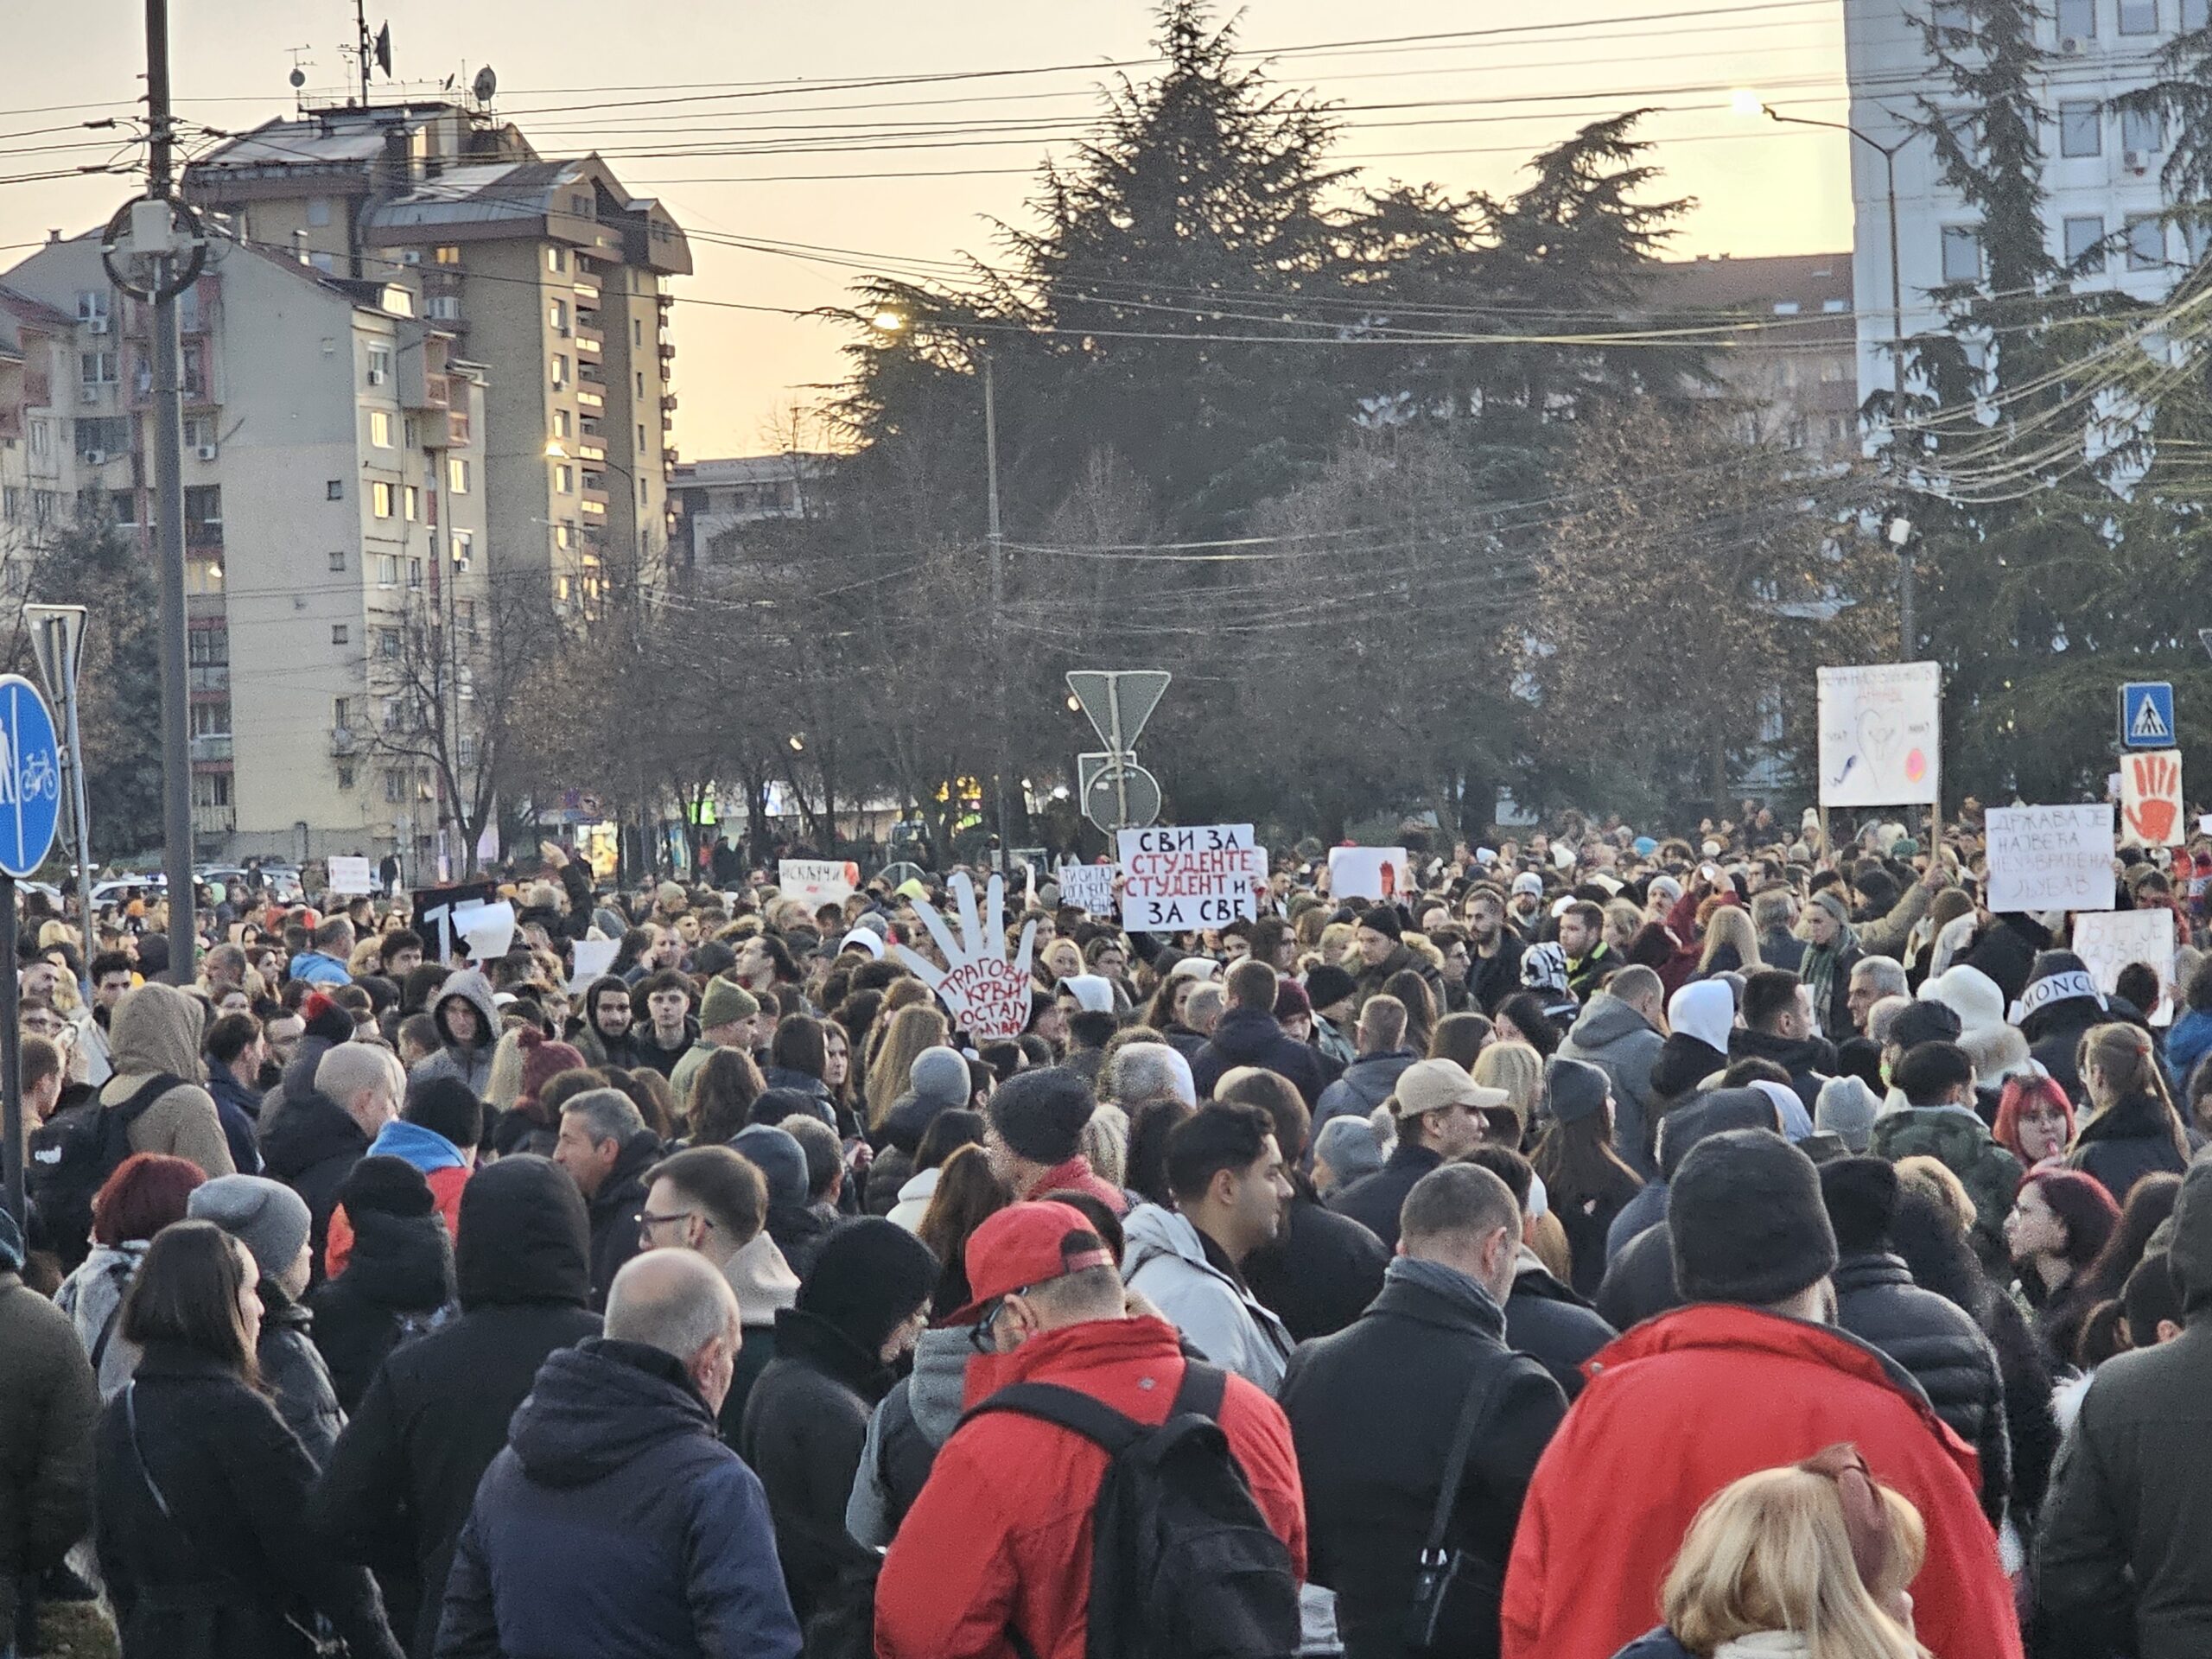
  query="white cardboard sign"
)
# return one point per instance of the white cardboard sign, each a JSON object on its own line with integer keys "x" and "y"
{"x": 593, "y": 958}
{"x": 986, "y": 993}
{"x": 1182, "y": 879}
{"x": 2109, "y": 942}
{"x": 2050, "y": 857}
{"x": 1881, "y": 730}
{"x": 2150, "y": 800}
{"x": 486, "y": 930}
{"x": 349, "y": 876}
{"x": 1088, "y": 887}
{"x": 1368, "y": 873}
{"x": 817, "y": 882}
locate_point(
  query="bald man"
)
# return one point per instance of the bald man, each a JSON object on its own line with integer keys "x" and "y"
{"x": 624, "y": 1424}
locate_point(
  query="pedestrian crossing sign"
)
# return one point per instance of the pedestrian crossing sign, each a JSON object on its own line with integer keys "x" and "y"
{"x": 2146, "y": 714}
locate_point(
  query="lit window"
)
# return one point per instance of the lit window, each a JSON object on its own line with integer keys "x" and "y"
{"x": 380, "y": 428}
{"x": 380, "y": 499}
{"x": 2081, "y": 128}
{"x": 557, "y": 260}
{"x": 564, "y": 480}
{"x": 457, "y": 475}
{"x": 447, "y": 255}
{"x": 560, "y": 372}
{"x": 1961, "y": 254}
{"x": 379, "y": 365}
{"x": 464, "y": 545}
{"x": 412, "y": 500}
{"x": 560, "y": 423}
{"x": 556, "y": 317}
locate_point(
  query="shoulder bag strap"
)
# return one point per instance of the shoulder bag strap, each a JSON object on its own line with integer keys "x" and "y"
{"x": 138, "y": 1451}
{"x": 1202, "y": 1391}
{"x": 1069, "y": 1408}
{"x": 1471, "y": 1415}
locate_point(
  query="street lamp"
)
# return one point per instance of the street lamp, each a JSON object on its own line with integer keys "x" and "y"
{"x": 1750, "y": 103}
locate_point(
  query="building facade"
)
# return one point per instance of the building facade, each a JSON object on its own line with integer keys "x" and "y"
{"x": 550, "y": 272}
{"x": 1792, "y": 365}
{"x": 709, "y": 499}
{"x": 336, "y": 518}
{"x": 2100, "y": 165}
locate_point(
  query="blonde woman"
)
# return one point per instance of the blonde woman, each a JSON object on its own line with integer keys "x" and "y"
{"x": 1807, "y": 1562}
{"x": 906, "y": 1034}
{"x": 1519, "y": 1070}
{"x": 1731, "y": 944}
{"x": 503, "y": 1085}
{"x": 2132, "y": 1129}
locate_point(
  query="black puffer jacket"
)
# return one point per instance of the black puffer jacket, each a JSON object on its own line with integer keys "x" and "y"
{"x": 401, "y": 1269}
{"x": 399, "y": 1485}
{"x": 293, "y": 1370}
{"x": 1946, "y": 1351}
{"x": 1547, "y": 1321}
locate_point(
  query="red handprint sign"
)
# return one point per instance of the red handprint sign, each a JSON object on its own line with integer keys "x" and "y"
{"x": 2150, "y": 799}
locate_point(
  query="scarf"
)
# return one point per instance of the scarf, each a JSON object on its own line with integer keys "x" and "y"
{"x": 1450, "y": 1283}
{"x": 1820, "y": 970}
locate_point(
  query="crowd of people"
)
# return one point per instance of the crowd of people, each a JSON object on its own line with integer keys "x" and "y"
{"x": 1736, "y": 1246}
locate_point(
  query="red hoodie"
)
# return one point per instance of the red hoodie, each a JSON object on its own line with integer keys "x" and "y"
{"x": 1000, "y": 1535}
{"x": 1684, "y": 1404}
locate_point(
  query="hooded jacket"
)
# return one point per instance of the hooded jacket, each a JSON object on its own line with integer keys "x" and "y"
{"x": 1738, "y": 1390}
{"x": 1253, "y": 1037}
{"x": 615, "y": 1429}
{"x": 472, "y": 1063}
{"x": 1166, "y": 1259}
{"x": 2123, "y": 1565}
{"x": 401, "y": 1269}
{"x": 1620, "y": 1042}
{"x": 1367, "y": 1082}
{"x": 916, "y": 1418}
{"x": 999, "y": 1541}
{"x": 400, "y": 1483}
{"x": 155, "y": 1029}
{"x": 444, "y": 1166}
{"x": 320, "y": 967}
{"x": 765, "y": 1286}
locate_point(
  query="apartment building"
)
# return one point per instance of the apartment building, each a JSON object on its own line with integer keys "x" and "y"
{"x": 709, "y": 499}
{"x": 550, "y": 272}
{"x": 335, "y": 527}
{"x": 1792, "y": 365}
{"x": 2100, "y": 168}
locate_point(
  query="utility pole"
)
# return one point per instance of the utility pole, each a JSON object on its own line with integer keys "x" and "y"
{"x": 997, "y": 539}
{"x": 168, "y": 515}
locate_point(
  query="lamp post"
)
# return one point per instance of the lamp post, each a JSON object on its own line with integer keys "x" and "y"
{"x": 1906, "y": 630}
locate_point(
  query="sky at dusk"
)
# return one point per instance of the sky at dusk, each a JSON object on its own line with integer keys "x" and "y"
{"x": 1464, "y": 107}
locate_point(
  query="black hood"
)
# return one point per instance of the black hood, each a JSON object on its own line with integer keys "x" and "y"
{"x": 523, "y": 1236}
{"x": 598, "y": 1406}
{"x": 1795, "y": 1055}
{"x": 909, "y": 1120}
{"x": 312, "y": 1129}
{"x": 402, "y": 1262}
{"x": 299, "y": 1071}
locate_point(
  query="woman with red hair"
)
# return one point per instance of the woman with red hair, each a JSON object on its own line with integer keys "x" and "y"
{"x": 145, "y": 1194}
{"x": 2060, "y": 1222}
{"x": 2035, "y": 1120}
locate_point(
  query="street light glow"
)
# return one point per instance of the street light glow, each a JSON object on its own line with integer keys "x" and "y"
{"x": 888, "y": 320}
{"x": 1743, "y": 101}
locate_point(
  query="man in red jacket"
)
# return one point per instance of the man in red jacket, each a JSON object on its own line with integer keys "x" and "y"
{"x": 1748, "y": 1377}
{"x": 999, "y": 1541}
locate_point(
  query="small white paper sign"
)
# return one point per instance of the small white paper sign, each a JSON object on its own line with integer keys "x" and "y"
{"x": 817, "y": 882}
{"x": 2107, "y": 943}
{"x": 1880, "y": 728}
{"x": 593, "y": 958}
{"x": 1368, "y": 873}
{"x": 1088, "y": 887}
{"x": 350, "y": 876}
{"x": 487, "y": 930}
{"x": 2046, "y": 858}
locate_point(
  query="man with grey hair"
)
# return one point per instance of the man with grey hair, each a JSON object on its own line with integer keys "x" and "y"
{"x": 1141, "y": 1073}
{"x": 606, "y": 1149}
{"x": 1202, "y": 1009}
{"x": 1373, "y": 1409}
{"x": 313, "y": 1146}
{"x": 623, "y": 1425}
{"x": 1872, "y": 978}
{"x": 1774, "y": 914}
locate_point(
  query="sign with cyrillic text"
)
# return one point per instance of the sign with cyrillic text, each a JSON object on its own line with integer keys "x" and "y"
{"x": 2050, "y": 857}
{"x": 1192, "y": 877}
{"x": 1088, "y": 887}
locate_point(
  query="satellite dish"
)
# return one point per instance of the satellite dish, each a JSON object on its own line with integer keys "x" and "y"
{"x": 298, "y": 78}
{"x": 487, "y": 83}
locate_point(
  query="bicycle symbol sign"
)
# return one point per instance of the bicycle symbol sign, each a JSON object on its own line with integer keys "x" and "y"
{"x": 30, "y": 777}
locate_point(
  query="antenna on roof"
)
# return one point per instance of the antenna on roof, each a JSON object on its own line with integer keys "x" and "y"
{"x": 374, "y": 52}
{"x": 299, "y": 75}
{"x": 486, "y": 85}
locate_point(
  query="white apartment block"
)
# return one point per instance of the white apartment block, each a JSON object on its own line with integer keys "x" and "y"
{"x": 334, "y": 514}
{"x": 2100, "y": 168}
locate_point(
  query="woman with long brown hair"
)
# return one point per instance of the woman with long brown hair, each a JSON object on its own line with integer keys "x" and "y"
{"x": 2132, "y": 1128}
{"x": 1586, "y": 1182}
{"x": 906, "y": 1034}
{"x": 202, "y": 1491}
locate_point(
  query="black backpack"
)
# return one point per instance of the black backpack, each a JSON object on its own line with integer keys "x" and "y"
{"x": 72, "y": 1157}
{"x": 1183, "y": 1565}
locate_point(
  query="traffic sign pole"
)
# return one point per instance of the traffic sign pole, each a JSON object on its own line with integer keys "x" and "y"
{"x": 30, "y": 808}
{"x": 11, "y": 1066}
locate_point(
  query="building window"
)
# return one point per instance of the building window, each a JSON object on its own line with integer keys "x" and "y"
{"x": 565, "y": 536}
{"x": 1961, "y": 254}
{"x": 41, "y": 439}
{"x": 2078, "y": 19}
{"x": 199, "y": 432}
{"x": 334, "y": 490}
{"x": 380, "y": 428}
{"x": 123, "y": 504}
{"x": 2085, "y": 237}
{"x": 641, "y": 382}
{"x": 2138, "y": 16}
{"x": 337, "y": 558}
{"x": 464, "y": 546}
{"x": 638, "y": 332}
{"x": 415, "y": 573}
{"x": 380, "y": 499}
{"x": 395, "y": 785}
{"x": 456, "y": 475}
{"x": 203, "y": 505}
{"x": 2142, "y": 130}
{"x": 580, "y": 206}
{"x": 92, "y": 304}
{"x": 387, "y": 570}
{"x": 342, "y": 713}
{"x": 318, "y": 210}
{"x": 557, "y": 260}
{"x": 448, "y": 255}
{"x": 641, "y": 437}
{"x": 2195, "y": 14}
{"x": 2081, "y": 128}
{"x": 345, "y": 774}
{"x": 564, "y": 480}
{"x": 379, "y": 365}
{"x": 95, "y": 368}
{"x": 561, "y": 423}
{"x": 341, "y": 635}
{"x": 208, "y": 648}
{"x": 560, "y": 372}
{"x": 412, "y": 501}
{"x": 556, "y": 317}
{"x": 2146, "y": 242}
{"x": 388, "y": 643}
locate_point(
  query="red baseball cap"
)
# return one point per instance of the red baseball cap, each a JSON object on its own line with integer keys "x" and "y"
{"x": 1027, "y": 1244}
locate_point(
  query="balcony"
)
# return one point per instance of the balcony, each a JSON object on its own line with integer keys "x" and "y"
{"x": 203, "y": 536}
{"x": 210, "y": 677}
{"x": 345, "y": 740}
{"x": 668, "y": 403}
{"x": 587, "y": 293}
{"x": 587, "y": 346}
{"x": 668, "y": 351}
{"x": 214, "y": 820}
{"x": 589, "y": 399}
{"x": 457, "y": 429}
{"x": 210, "y": 746}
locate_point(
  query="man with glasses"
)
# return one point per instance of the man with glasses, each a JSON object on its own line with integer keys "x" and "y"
{"x": 994, "y": 1557}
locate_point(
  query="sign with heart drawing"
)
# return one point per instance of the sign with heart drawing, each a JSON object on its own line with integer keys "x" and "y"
{"x": 1881, "y": 733}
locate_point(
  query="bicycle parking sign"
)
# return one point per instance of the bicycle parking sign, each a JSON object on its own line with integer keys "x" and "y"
{"x": 30, "y": 777}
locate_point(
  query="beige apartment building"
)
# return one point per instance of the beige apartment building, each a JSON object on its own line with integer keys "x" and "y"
{"x": 550, "y": 272}
{"x": 335, "y": 528}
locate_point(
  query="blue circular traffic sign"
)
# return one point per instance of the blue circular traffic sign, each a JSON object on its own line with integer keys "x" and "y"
{"x": 30, "y": 777}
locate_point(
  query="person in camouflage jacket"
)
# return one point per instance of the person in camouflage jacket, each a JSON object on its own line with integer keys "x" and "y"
{"x": 1939, "y": 1122}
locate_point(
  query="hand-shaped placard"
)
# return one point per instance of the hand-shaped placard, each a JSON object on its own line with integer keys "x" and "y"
{"x": 984, "y": 991}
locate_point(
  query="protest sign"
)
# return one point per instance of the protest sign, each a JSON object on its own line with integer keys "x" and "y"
{"x": 351, "y": 875}
{"x": 986, "y": 994}
{"x": 1368, "y": 872}
{"x": 434, "y": 908}
{"x": 1088, "y": 887}
{"x": 2109, "y": 942}
{"x": 2050, "y": 857}
{"x": 593, "y": 958}
{"x": 1198, "y": 877}
{"x": 486, "y": 930}
{"x": 2150, "y": 800}
{"x": 817, "y": 882}
{"x": 1880, "y": 731}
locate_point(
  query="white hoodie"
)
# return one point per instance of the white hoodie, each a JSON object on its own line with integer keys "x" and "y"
{"x": 1166, "y": 1262}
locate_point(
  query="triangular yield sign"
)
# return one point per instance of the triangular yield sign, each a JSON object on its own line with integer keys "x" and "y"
{"x": 1129, "y": 695}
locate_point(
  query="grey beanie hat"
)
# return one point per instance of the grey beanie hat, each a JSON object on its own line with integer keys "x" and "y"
{"x": 777, "y": 1155}
{"x": 1348, "y": 1146}
{"x": 266, "y": 1216}
{"x": 1747, "y": 1220}
{"x": 1845, "y": 1109}
{"x": 940, "y": 1074}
